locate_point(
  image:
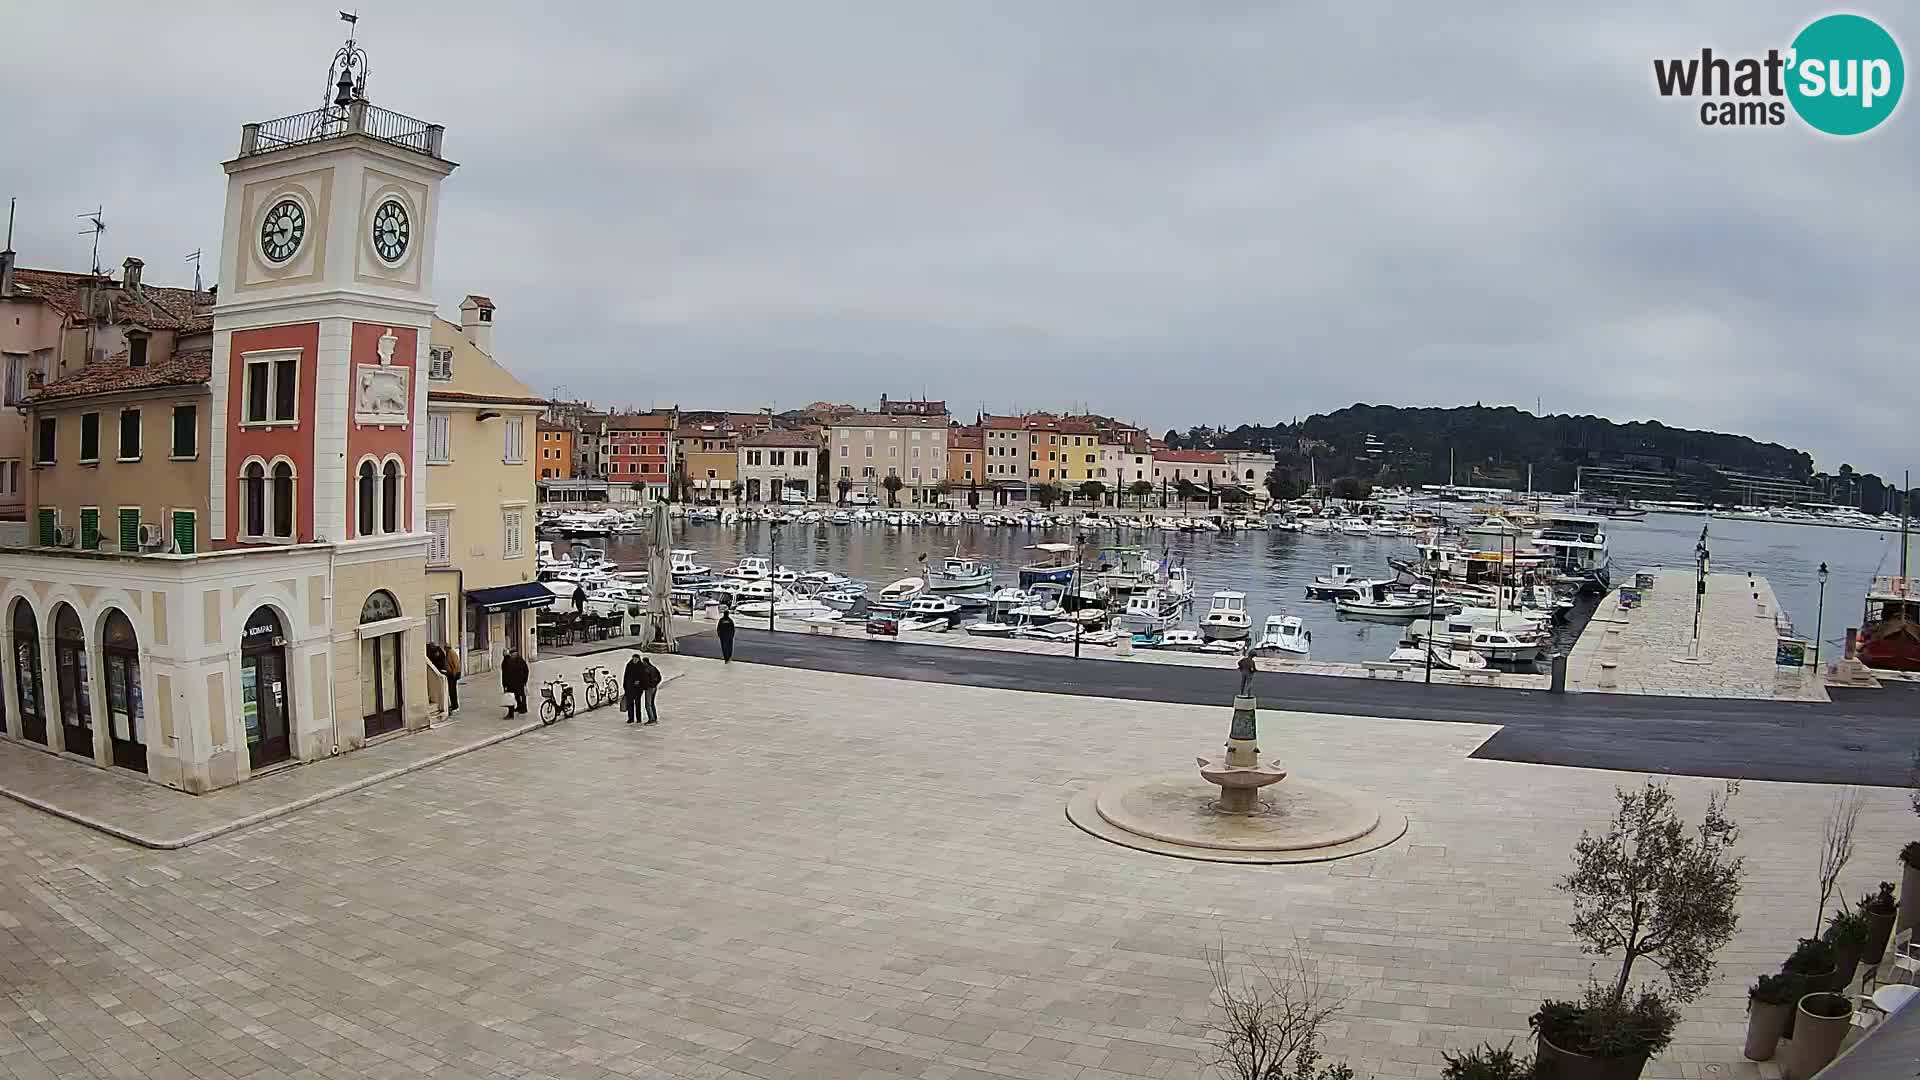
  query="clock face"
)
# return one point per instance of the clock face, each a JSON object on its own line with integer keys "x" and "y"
{"x": 282, "y": 230}
{"x": 391, "y": 231}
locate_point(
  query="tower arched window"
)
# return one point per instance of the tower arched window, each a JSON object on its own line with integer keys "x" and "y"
{"x": 283, "y": 501}
{"x": 390, "y": 498}
{"x": 364, "y": 499}
{"x": 253, "y": 496}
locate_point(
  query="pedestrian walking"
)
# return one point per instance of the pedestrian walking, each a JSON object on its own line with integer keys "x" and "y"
{"x": 649, "y": 686}
{"x": 725, "y": 630}
{"x": 513, "y": 676}
{"x": 579, "y": 599}
{"x": 437, "y": 659}
{"x": 633, "y": 683}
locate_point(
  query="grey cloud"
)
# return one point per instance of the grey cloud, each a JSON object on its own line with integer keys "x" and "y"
{"x": 1183, "y": 213}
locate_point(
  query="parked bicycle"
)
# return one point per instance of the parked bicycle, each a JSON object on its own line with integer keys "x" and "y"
{"x": 602, "y": 687}
{"x": 556, "y": 700}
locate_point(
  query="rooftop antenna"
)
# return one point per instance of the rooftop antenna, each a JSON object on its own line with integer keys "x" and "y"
{"x": 96, "y": 224}
{"x": 194, "y": 258}
{"x": 11, "y": 203}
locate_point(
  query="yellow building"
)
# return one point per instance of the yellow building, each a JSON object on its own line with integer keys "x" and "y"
{"x": 480, "y": 492}
{"x": 708, "y": 454}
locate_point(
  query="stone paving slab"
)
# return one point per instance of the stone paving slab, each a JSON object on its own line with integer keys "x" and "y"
{"x": 154, "y": 816}
{"x": 801, "y": 874}
{"x": 1737, "y": 643}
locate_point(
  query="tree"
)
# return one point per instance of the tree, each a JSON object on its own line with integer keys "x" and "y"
{"x": 1047, "y": 494}
{"x": 845, "y": 485}
{"x": 1280, "y": 485}
{"x": 1647, "y": 888}
{"x": 893, "y": 485}
{"x": 736, "y": 489}
{"x": 1268, "y": 1027}
{"x": 1233, "y": 496}
{"x": 1140, "y": 489}
{"x": 1351, "y": 489}
{"x": 1188, "y": 490}
{"x": 1836, "y": 847}
{"x": 1172, "y": 439}
{"x": 973, "y": 498}
{"x": 1093, "y": 491}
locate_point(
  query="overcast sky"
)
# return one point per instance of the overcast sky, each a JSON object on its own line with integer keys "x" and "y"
{"x": 1181, "y": 213}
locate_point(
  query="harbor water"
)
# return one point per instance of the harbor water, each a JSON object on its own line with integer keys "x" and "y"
{"x": 1274, "y": 568}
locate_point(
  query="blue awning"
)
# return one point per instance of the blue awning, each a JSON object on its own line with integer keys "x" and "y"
{"x": 525, "y": 594}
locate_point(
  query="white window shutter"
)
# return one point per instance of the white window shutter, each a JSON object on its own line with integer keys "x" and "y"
{"x": 438, "y": 526}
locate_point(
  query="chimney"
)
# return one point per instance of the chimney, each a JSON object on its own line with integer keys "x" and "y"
{"x": 6, "y": 273}
{"x": 130, "y": 279}
{"x": 476, "y": 321}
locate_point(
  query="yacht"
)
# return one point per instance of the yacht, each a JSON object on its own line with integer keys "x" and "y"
{"x": 1285, "y": 634}
{"x": 899, "y": 594}
{"x": 1226, "y": 619}
{"x": 955, "y": 574}
{"x": 1576, "y": 546}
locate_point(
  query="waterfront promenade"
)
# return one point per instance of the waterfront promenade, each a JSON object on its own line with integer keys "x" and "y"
{"x": 804, "y": 874}
{"x": 1648, "y": 649}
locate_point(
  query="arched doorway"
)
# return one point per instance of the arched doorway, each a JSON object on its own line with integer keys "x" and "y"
{"x": 381, "y": 666}
{"x": 263, "y": 689}
{"x": 126, "y": 714}
{"x": 70, "y": 668}
{"x": 26, "y": 673}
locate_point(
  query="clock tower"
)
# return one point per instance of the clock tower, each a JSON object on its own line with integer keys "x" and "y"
{"x": 318, "y": 430}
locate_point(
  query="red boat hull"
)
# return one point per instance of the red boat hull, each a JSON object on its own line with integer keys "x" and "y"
{"x": 1890, "y": 644}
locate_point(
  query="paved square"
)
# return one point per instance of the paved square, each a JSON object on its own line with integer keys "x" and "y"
{"x": 808, "y": 875}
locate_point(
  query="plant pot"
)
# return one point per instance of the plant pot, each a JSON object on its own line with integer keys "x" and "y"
{"x": 1909, "y": 897}
{"x": 1846, "y": 966}
{"x": 1879, "y": 930}
{"x": 1766, "y": 1026}
{"x": 1817, "y": 1038}
{"x": 1553, "y": 1063}
{"x": 1821, "y": 980}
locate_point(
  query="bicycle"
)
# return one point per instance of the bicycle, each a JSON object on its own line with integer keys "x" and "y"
{"x": 602, "y": 687}
{"x": 554, "y": 707}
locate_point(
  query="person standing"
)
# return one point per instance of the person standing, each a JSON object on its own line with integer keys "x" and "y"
{"x": 452, "y": 669}
{"x": 649, "y": 686}
{"x": 437, "y": 659}
{"x": 633, "y": 682}
{"x": 513, "y": 676}
{"x": 725, "y": 630}
{"x": 579, "y": 599}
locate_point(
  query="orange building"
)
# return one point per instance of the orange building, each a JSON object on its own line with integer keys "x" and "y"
{"x": 556, "y": 452}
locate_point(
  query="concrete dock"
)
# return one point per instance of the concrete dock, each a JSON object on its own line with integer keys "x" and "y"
{"x": 1648, "y": 649}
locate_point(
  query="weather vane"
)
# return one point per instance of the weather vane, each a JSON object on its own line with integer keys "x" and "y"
{"x": 344, "y": 86}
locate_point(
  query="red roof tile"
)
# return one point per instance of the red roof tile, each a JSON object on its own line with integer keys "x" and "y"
{"x": 151, "y": 306}
{"x": 1191, "y": 457}
{"x": 640, "y": 422}
{"x": 965, "y": 438}
{"x": 114, "y": 376}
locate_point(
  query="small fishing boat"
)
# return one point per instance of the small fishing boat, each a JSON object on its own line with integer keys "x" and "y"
{"x": 1052, "y": 563}
{"x": 750, "y": 568}
{"x": 1285, "y": 634}
{"x": 1058, "y": 630}
{"x": 900, "y": 594}
{"x": 682, "y": 564}
{"x": 960, "y": 574}
{"x": 1181, "y": 639}
{"x": 1444, "y": 659}
{"x": 1341, "y": 584}
{"x": 1226, "y": 618}
{"x": 1384, "y": 605}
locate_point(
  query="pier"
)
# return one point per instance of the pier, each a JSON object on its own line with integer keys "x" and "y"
{"x": 1647, "y": 649}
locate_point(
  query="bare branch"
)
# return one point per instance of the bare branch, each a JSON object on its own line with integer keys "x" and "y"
{"x": 1267, "y": 1026}
{"x": 1836, "y": 846}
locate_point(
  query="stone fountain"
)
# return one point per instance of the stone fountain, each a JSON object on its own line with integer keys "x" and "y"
{"x": 1295, "y": 820}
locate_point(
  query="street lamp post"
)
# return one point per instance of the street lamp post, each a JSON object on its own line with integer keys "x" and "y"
{"x": 773, "y": 590}
{"x": 1699, "y": 590}
{"x": 1079, "y": 542}
{"x": 1820, "y": 617}
{"x": 1433, "y": 601}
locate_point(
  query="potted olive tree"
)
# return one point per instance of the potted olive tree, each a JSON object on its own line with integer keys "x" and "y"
{"x": 1770, "y": 1003}
{"x": 1879, "y": 908}
{"x": 1823, "y": 1020}
{"x": 1847, "y": 934}
{"x": 1647, "y": 887}
{"x": 1909, "y": 885}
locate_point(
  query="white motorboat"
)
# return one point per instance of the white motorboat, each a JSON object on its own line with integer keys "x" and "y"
{"x": 1504, "y": 645}
{"x": 1225, "y": 648}
{"x": 808, "y": 608}
{"x": 1179, "y": 586}
{"x": 900, "y": 593}
{"x": 1129, "y": 570}
{"x": 1341, "y": 584}
{"x": 785, "y": 575}
{"x": 1381, "y": 604}
{"x": 1355, "y": 527}
{"x": 827, "y": 579}
{"x": 1226, "y": 618}
{"x": 1181, "y": 638}
{"x": 683, "y": 565}
{"x": 935, "y": 613}
{"x": 1145, "y": 612}
{"x": 1285, "y": 634}
{"x": 750, "y": 568}
{"x": 1058, "y": 630}
{"x": 955, "y": 574}
{"x": 1444, "y": 659}
{"x": 839, "y": 599}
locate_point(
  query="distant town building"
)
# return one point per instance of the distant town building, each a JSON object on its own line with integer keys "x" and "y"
{"x": 911, "y": 407}
{"x": 867, "y": 448}
{"x": 707, "y": 456}
{"x": 772, "y": 463}
{"x": 637, "y": 450}
{"x": 556, "y": 450}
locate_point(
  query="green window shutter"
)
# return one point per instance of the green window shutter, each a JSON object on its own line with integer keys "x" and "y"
{"x": 183, "y": 531}
{"x": 130, "y": 530}
{"x": 89, "y": 529}
{"x": 48, "y": 520}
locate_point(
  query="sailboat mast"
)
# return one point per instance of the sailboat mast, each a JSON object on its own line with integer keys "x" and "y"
{"x": 1906, "y": 512}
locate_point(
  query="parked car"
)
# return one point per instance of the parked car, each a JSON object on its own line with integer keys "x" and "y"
{"x": 884, "y": 623}
{"x": 792, "y": 495}
{"x": 859, "y": 498}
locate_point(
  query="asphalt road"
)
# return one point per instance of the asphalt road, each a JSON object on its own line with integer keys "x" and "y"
{"x": 1862, "y": 737}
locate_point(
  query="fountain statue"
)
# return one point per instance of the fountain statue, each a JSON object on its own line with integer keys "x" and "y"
{"x": 1240, "y": 775}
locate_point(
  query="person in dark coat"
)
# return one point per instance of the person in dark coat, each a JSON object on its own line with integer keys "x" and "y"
{"x": 649, "y": 686}
{"x": 579, "y": 599}
{"x": 725, "y": 630}
{"x": 437, "y": 656}
{"x": 633, "y": 683}
{"x": 453, "y": 678}
{"x": 513, "y": 676}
